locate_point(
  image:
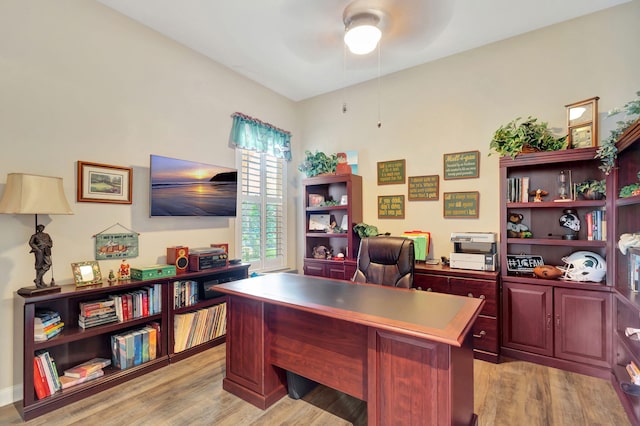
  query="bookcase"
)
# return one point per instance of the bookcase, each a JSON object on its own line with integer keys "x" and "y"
{"x": 75, "y": 345}
{"x": 331, "y": 199}
{"x": 541, "y": 318}
{"x": 626, "y": 301}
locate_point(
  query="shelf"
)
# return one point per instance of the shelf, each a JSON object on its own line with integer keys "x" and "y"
{"x": 629, "y": 201}
{"x": 549, "y": 157}
{"x": 326, "y": 235}
{"x": 557, "y": 283}
{"x": 327, "y": 208}
{"x": 556, "y": 242}
{"x": 178, "y": 356}
{"x": 201, "y": 304}
{"x": 74, "y": 333}
{"x": 552, "y": 204}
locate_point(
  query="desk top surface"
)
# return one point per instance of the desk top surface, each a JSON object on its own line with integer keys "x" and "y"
{"x": 434, "y": 316}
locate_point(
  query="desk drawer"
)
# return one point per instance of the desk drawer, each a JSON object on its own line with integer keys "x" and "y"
{"x": 426, "y": 282}
{"x": 486, "y": 290}
{"x": 485, "y": 334}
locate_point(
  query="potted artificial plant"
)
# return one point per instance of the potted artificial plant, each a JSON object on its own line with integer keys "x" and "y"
{"x": 592, "y": 189}
{"x": 318, "y": 163}
{"x": 525, "y": 136}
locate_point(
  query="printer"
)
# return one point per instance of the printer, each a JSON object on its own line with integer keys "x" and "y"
{"x": 474, "y": 250}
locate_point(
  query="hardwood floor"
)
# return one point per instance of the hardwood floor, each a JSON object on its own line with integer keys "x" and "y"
{"x": 510, "y": 393}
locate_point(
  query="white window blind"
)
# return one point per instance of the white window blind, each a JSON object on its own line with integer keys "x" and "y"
{"x": 262, "y": 210}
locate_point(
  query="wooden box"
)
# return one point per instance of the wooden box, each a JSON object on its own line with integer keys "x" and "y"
{"x": 152, "y": 272}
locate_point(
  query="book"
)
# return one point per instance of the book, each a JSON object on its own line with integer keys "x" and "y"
{"x": 43, "y": 315}
{"x": 152, "y": 342}
{"x": 82, "y": 323}
{"x": 50, "y": 333}
{"x": 87, "y": 367}
{"x": 47, "y": 373}
{"x": 96, "y": 304}
{"x": 67, "y": 382}
{"x": 137, "y": 347}
{"x": 39, "y": 379}
{"x": 589, "y": 220}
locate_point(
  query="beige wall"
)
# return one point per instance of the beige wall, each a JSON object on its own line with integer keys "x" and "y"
{"x": 81, "y": 82}
{"x": 456, "y": 104}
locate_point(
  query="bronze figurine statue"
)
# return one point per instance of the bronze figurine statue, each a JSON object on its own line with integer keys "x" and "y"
{"x": 41, "y": 244}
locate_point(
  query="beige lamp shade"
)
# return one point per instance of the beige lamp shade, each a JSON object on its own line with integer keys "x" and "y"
{"x": 34, "y": 194}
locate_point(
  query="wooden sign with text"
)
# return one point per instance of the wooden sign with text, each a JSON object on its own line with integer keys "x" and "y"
{"x": 391, "y": 207}
{"x": 391, "y": 172}
{"x": 461, "y": 205}
{"x": 424, "y": 188}
{"x": 462, "y": 165}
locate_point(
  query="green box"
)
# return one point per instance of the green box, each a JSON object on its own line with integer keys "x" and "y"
{"x": 152, "y": 272}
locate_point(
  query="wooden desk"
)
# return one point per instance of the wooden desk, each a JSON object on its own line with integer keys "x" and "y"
{"x": 407, "y": 353}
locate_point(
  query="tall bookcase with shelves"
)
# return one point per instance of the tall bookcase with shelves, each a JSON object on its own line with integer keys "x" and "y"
{"x": 75, "y": 345}
{"x": 341, "y": 204}
{"x": 539, "y": 315}
{"x": 627, "y": 302}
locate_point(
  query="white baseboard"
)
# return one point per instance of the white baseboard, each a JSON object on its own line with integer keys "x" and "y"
{"x": 10, "y": 395}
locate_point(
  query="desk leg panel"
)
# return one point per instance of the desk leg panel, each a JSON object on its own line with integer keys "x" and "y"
{"x": 413, "y": 381}
{"x": 327, "y": 350}
{"x": 248, "y": 374}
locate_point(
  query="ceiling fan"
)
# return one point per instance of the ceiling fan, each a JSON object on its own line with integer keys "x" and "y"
{"x": 319, "y": 27}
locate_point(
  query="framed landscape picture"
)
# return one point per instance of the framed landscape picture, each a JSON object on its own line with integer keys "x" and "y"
{"x": 103, "y": 183}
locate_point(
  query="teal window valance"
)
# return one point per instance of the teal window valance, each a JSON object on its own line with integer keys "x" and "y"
{"x": 255, "y": 135}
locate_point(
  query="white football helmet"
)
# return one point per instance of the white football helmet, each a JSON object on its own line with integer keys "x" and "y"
{"x": 584, "y": 266}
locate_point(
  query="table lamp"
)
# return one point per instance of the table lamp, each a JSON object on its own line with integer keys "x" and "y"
{"x": 34, "y": 194}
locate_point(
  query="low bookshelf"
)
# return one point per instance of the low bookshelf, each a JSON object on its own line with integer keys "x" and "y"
{"x": 75, "y": 345}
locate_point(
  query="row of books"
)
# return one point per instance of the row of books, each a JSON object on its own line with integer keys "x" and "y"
{"x": 518, "y": 189}
{"x": 121, "y": 307}
{"x": 140, "y": 303}
{"x": 194, "y": 328}
{"x": 45, "y": 375}
{"x": 185, "y": 293}
{"x": 46, "y": 324}
{"x": 596, "y": 225}
{"x": 135, "y": 347}
{"x": 47, "y": 381}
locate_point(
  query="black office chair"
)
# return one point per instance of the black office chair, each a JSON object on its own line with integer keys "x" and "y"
{"x": 386, "y": 260}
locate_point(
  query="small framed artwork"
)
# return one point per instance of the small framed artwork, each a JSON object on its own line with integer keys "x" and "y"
{"x": 634, "y": 269}
{"x": 344, "y": 200}
{"x": 582, "y": 123}
{"x": 319, "y": 222}
{"x": 103, "y": 183}
{"x": 315, "y": 200}
{"x": 86, "y": 273}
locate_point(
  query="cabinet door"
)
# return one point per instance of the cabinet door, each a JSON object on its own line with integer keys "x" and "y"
{"x": 429, "y": 282}
{"x": 582, "y": 322}
{"x": 527, "y": 317}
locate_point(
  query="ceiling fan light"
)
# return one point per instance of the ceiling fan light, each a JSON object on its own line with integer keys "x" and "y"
{"x": 362, "y": 34}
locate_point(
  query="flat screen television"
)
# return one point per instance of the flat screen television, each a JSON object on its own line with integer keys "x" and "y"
{"x": 188, "y": 188}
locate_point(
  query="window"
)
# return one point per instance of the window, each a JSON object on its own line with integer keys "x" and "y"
{"x": 262, "y": 210}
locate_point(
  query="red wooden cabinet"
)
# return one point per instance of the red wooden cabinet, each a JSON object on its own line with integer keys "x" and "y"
{"x": 335, "y": 200}
{"x": 476, "y": 284}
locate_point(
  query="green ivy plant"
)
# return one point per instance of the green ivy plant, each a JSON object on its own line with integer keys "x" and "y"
{"x": 607, "y": 151}
{"x": 318, "y": 163}
{"x": 630, "y": 190}
{"x": 529, "y": 135}
{"x": 592, "y": 189}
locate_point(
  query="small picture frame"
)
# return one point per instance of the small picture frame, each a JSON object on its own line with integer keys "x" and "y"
{"x": 344, "y": 200}
{"x": 319, "y": 222}
{"x": 315, "y": 200}
{"x": 86, "y": 273}
{"x": 104, "y": 183}
{"x": 582, "y": 123}
{"x": 634, "y": 269}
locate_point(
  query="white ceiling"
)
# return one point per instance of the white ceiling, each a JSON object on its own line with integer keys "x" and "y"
{"x": 294, "y": 47}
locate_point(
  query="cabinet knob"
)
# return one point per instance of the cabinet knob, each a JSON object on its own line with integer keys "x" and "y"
{"x": 480, "y": 335}
{"x": 419, "y": 288}
{"x": 548, "y": 320}
{"x": 429, "y": 289}
{"x": 558, "y": 319}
